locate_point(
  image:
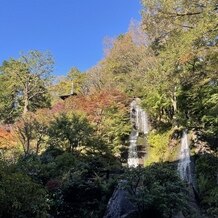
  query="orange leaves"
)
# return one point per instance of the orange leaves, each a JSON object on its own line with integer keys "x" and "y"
{"x": 44, "y": 116}
{"x": 185, "y": 58}
{"x": 94, "y": 105}
{"x": 6, "y": 139}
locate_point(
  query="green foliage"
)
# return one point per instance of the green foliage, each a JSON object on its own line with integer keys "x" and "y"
{"x": 31, "y": 133}
{"x": 77, "y": 77}
{"x": 121, "y": 69}
{"x": 184, "y": 77}
{"x": 206, "y": 168}
{"x": 20, "y": 196}
{"x": 9, "y": 90}
{"x": 156, "y": 190}
{"x": 24, "y": 84}
{"x": 158, "y": 147}
{"x": 70, "y": 131}
{"x": 77, "y": 184}
{"x": 155, "y": 104}
{"x": 198, "y": 106}
{"x": 84, "y": 192}
{"x": 115, "y": 127}
{"x": 175, "y": 74}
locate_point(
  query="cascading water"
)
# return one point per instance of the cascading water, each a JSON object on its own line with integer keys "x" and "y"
{"x": 133, "y": 160}
{"x": 184, "y": 166}
{"x": 120, "y": 205}
{"x": 144, "y": 122}
{"x": 139, "y": 122}
{"x": 184, "y": 169}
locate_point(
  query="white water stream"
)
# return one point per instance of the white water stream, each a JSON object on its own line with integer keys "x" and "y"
{"x": 139, "y": 122}
{"x": 184, "y": 166}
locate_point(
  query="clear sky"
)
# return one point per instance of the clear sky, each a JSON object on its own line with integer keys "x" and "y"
{"x": 72, "y": 30}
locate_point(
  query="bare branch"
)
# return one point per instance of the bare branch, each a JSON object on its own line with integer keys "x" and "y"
{"x": 181, "y": 14}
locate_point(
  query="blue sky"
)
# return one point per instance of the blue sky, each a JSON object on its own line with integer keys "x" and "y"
{"x": 72, "y": 30}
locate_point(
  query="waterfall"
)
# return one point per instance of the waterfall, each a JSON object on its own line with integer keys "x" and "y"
{"x": 120, "y": 204}
{"x": 133, "y": 160}
{"x": 144, "y": 122}
{"x": 139, "y": 122}
{"x": 184, "y": 169}
{"x": 184, "y": 166}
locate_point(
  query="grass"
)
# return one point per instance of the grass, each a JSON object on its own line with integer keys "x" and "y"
{"x": 161, "y": 147}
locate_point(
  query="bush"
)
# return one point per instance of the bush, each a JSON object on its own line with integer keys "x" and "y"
{"x": 20, "y": 196}
{"x": 206, "y": 169}
{"x": 159, "y": 149}
{"x": 157, "y": 191}
{"x": 70, "y": 131}
{"x": 84, "y": 190}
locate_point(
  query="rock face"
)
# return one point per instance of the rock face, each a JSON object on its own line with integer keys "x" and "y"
{"x": 179, "y": 215}
{"x": 120, "y": 206}
{"x": 193, "y": 202}
{"x": 200, "y": 146}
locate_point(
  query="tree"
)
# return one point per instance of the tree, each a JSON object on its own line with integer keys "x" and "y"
{"x": 31, "y": 132}
{"x": 95, "y": 80}
{"x": 108, "y": 112}
{"x": 122, "y": 66}
{"x": 25, "y": 82}
{"x": 183, "y": 37}
{"x": 122, "y": 63}
{"x": 206, "y": 174}
{"x": 29, "y": 201}
{"x": 70, "y": 131}
{"x": 157, "y": 190}
{"x": 9, "y": 108}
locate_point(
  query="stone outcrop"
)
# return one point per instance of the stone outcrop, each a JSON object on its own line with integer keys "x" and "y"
{"x": 119, "y": 205}
{"x": 200, "y": 146}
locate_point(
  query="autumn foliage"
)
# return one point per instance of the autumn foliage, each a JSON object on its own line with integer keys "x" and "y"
{"x": 95, "y": 105}
{"x": 7, "y": 140}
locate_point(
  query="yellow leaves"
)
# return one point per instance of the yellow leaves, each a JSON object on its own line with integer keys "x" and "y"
{"x": 124, "y": 56}
{"x": 158, "y": 147}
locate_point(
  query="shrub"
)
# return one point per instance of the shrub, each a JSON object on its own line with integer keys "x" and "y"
{"x": 206, "y": 169}
{"x": 157, "y": 191}
{"x": 20, "y": 196}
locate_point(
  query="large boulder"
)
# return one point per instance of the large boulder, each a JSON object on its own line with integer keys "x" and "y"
{"x": 119, "y": 205}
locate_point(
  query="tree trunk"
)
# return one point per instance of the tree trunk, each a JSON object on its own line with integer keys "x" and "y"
{"x": 27, "y": 147}
{"x": 26, "y": 104}
{"x": 174, "y": 103}
{"x": 37, "y": 147}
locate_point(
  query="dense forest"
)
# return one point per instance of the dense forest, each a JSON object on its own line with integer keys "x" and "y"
{"x": 64, "y": 141}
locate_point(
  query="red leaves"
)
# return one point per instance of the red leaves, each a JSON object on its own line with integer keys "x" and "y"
{"x": 95, "y": 104}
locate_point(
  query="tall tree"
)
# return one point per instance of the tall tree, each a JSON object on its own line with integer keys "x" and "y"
{"x": 25, "y": 82}
{"x": 183, "y": 36}
{"x": 122, "y": 65}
